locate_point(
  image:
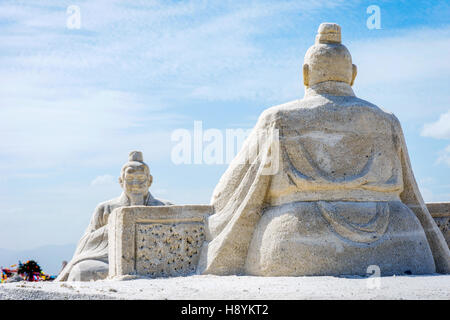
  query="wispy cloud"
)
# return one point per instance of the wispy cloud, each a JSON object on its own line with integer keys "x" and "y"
{"x": 80, "y": 96}
{"x": 60, "y": 127}
{"x": 439, "y": 129}
{"x": 159, "y": 42}
{"x": 405, "y": 72}
{"x": 414, "y": 54}
{"x": 106, "y": 179}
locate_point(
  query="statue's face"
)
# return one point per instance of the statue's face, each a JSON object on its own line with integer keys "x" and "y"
{"x": 136, "y": 180}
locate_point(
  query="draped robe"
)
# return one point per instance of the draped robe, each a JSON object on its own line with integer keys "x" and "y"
{"x": 321, "y": 149}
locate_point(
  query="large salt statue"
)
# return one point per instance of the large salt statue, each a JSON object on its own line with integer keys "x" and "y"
{"x": 90, "y": 261}
{"x": 343, "y": 195}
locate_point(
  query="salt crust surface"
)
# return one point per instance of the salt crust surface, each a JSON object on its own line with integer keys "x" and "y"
{"x": 235, "y": 287}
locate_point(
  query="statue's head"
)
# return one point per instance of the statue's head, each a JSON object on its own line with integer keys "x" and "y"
{"x": 135, "y": 177}
{"x": 328, "y": 59}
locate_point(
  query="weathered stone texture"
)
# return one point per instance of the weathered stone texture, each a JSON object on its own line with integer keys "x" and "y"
{"x": 168, "y": 249}
{"x": 440, "y": 211}
{"x": 156, "y": 241}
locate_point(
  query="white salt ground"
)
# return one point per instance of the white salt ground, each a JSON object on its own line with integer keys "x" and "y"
{"x": 237, "y": 287}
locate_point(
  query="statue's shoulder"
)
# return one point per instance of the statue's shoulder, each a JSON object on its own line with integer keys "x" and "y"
{"x": 276, "y": 112}
{"x": 109, "y": 205}
{"x": 298, "y": 107}
{"x": 316, "y": 106}
{"x": 387, "y": 115}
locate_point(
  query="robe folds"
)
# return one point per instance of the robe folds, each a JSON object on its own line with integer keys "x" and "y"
{"x": 323, "y": 149}
{"x": 94, "y": 243}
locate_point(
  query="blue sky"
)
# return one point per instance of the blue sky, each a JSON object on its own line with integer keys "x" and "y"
{"x": 74, "y": 102}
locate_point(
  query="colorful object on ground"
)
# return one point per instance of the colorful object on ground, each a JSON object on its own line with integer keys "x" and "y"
{"x": 3, "y": 278}
{"x": 28, "y": 271}
{"x": 8, "y": 272}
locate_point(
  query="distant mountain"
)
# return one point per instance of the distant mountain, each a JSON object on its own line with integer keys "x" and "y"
{"x": 49, "y": 257}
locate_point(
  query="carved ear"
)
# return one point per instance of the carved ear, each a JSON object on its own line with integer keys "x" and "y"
{"x": 306, "y": 74}
{"x": 355, "y": 71}
{"x": 150, "y": 180}
{"x": 120, "y": 181}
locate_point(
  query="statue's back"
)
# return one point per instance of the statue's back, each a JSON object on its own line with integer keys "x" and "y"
{"x": 336, "y": 148}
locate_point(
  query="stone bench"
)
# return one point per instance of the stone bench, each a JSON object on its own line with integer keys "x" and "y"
{"x": 440, "y": 211}
{"x": 162, "y": 241}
